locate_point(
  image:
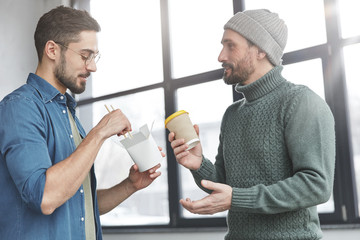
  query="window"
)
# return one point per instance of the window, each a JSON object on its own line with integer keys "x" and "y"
{"x": 150, "y": 205}
{"x": 195, "y": 39}
{"x": 207, "y": 114}
{"x": 130, "y": 45}
{"x": 348, "y": 15}
{"x": 351, "y": 54}
{"x": 299, "y": 73}
{"x": 160, "y": 56}
{"x": 306, "y": 25}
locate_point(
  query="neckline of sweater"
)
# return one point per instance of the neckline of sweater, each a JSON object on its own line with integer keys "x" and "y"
{"x": 262, "y": 86}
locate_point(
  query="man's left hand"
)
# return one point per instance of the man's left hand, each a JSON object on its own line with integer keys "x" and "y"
{"x": 218, "y": 201}
{"x": 141, "y": 180}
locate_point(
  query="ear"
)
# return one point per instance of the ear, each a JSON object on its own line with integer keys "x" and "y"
{"x": 261, "y": 54}
{"x": 51, "y": 50}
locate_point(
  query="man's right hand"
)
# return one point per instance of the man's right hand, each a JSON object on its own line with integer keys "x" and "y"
{"x": 113, "y": 123}
{"x": 190, "y": 159}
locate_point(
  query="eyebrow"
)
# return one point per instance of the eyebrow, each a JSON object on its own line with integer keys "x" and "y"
{"x": 226, "y": 41}
{"x": 88, "y": 50}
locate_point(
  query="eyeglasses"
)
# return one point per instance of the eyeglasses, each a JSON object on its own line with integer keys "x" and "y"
{"x": 87, "y": 59}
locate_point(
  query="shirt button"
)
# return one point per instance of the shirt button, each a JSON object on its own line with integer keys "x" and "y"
{"x": 61, "y": 97}
{"x": 82, "y": 219}
{"x": 71, "y": 136}
{"x": 81, "y": 190}
{"x": 63, "y": 111}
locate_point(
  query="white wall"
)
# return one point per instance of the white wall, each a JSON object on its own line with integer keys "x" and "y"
{"x": 18, "y": 19}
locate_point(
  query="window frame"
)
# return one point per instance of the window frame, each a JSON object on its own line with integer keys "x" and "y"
{"x": 344, "y": 193}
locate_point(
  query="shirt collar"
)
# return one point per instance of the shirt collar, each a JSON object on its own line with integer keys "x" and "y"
{"x": 47, "y": 91}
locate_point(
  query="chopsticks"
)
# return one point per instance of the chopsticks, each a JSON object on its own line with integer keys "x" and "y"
{"x": 131, "y": 136}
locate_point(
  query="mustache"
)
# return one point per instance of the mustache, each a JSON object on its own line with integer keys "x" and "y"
{"x": 227, "y": 65}
{"x": 85, "y": 75}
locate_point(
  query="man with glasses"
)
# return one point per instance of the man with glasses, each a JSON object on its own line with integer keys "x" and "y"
{"x": 276, "y": 156}
{"x": 46, "y": 160}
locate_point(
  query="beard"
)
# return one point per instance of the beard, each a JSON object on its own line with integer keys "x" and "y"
{"x": 69, "y": 81}
{"x": 240, "y": 72}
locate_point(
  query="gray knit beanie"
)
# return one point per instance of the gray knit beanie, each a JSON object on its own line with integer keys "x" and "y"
{"x": 264, "y": 28}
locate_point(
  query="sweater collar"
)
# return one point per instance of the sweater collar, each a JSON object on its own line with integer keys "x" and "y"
{"x": 262, "y": 86}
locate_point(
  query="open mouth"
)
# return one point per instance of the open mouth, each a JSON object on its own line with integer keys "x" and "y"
{"x": 227, "y": 71}
{"x": 227, "y": 68}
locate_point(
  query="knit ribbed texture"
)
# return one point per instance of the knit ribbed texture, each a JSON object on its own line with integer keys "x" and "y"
{"x": 277, "y": 151}
{"x": 264, "y": 28}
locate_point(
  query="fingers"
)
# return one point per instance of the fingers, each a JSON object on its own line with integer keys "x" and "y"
{"x": 122, "y": 121}
{"x": 211, "y": 185}
{"x": 193, "y": 206}
{"x": 198, "y": 207}
{"x": 197, "y": 129}
{"x": 171, "y": 136}
{"x": 179, "y": 146}
{"x": 175, "y": 142}
{"x": 204, "y": 206}
{"x": 134, "y": 168}
{"x": 219, "y": 200}
{"x": 160, "y": 149}
{"x": 154, "y": 175}
{"x": 153, "y": 169}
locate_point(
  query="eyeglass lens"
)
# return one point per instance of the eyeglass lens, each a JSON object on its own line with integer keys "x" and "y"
{"x": 92, "y": 56}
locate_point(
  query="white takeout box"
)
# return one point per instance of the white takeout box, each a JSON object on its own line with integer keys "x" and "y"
{"x": 143, "y": 149}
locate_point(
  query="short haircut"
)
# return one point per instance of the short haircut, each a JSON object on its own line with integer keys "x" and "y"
{"x": 62, "y": 25}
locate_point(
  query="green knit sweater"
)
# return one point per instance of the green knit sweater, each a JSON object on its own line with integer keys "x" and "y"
{"x": 277, "y": 152}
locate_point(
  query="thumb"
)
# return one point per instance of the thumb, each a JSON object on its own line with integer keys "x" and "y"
{"x": 134, "y": 168}
{"x": 211, "y": 185}
{"x": 197, "y": 129}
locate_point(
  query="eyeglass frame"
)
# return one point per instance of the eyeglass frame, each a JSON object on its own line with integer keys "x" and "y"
{"x": 87, "y": 60}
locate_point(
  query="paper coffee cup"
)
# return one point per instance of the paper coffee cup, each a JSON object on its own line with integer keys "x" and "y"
{"x": 180, "y": 123}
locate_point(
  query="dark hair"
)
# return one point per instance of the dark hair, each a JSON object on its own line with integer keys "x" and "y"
{"x": 63, "y": 25}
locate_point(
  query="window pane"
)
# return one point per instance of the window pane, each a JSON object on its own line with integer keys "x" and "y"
{"x": 207, "y": 112}
{"x": 305, "y": 20}
{"x": 130, "y": 45}
{"x": 148, "y": 206}
{"x": 351, "y": 55}
{"x": 349, "y": 14}
{"x": 307, "y": 73}
{"x": 195, "y": 38}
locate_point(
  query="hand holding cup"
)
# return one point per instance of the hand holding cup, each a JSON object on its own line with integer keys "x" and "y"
{"x": 180, "y": 123}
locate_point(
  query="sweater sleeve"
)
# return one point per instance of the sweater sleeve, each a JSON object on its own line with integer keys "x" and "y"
{"x": 310, "y": 141}
{"x": 209, "y": 171}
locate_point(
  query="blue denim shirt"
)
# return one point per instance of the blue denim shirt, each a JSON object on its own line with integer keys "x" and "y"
{"x": 35, "y": 134}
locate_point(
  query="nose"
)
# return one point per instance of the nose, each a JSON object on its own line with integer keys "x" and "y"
{"x": 222, "y": 56}
{"x": 91, "y": 67}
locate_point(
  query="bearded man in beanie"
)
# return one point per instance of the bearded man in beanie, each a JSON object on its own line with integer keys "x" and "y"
{"x": 276, "y": 156}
